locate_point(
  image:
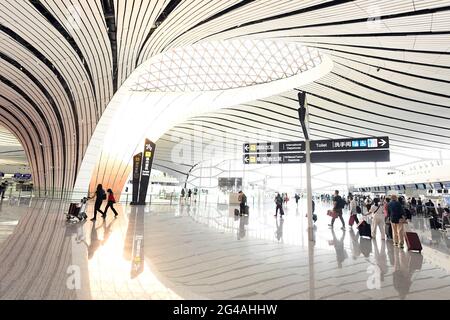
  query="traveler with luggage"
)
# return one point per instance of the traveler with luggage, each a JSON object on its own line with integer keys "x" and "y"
{"x": 338, "y": 205}
{"x": 377, "y": 218}
{"x": 100, "y": 195}
{"x": 387, "y": 219}
{"x": 183, "y": 194}
{"x": 242, "y": 198}
{"x": 353, "y": 212}
{"x": 110, "y": 204}
{"x": 398, "y": 220}
{"x": 279, "y": 205}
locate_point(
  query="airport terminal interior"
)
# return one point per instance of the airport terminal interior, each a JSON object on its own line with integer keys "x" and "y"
{"x": 224, "y": 150}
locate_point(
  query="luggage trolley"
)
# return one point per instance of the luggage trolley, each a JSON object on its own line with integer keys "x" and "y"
{"x": 77, "y": 211}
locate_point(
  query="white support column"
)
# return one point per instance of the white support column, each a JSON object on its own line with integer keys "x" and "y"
{"x": 309, "y": 191}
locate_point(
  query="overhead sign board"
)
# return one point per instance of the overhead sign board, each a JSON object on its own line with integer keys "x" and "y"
{"x": 280, "y": 158}
{"x": 274, "y": 147}
{"x": 351, "y": 144}
{"x": 319, "y": 157}
{"x": 362, "y": 156}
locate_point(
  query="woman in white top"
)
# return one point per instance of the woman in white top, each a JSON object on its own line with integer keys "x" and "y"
{"x": 378, "y": 218}
{"x": 353, "y": 211}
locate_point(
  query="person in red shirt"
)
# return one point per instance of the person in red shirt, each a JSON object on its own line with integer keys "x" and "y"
{"x": 110, "y": 204}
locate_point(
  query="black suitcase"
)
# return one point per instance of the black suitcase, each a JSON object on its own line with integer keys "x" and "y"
{"x": 435, "y": 224}
{"x": 236, "y": 212}
{"x": 365, "y": 230}
{"x": 73, "y": 209}
{"x": 246, "y": 210}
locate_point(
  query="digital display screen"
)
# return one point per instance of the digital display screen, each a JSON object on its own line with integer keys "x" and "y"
{"x": 26, "y": 176}
{"x": 437, "y": 185}
{"x": 230, "y": 183}
{"x": 17, "y": 175}
{"x": 446, "y": 185}
{"x": 421, "y": 186}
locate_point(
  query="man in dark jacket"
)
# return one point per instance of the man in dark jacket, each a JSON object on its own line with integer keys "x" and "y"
{"x": 396, "y": 214}
{"x": 338, "y": 205}
{"x": 242, "y": 202}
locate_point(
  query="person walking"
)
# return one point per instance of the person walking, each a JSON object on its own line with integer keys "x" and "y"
{"x": 2, "y": 191}
{"x": 110, "y": 204}
{"x": 279, "y": 205}
{"x": 286, "y": 200}
{"x": 242, "y": 198}
{"x": 338, "y": 205}
{"x": 189, "y": 195}
{"x": 297, "y": 197}
{"x": 100, "y": 195}
{"x": 353, "y": 211}
{"x": 397, "y": 218}
{"x": 378, "y": 219}
{"x": 183, "y": 194}
{"x": 419, "y": 206}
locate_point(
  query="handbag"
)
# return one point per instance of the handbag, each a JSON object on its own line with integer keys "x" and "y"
{"x": 332, "y": 214}
{"x": 351, "y": 221}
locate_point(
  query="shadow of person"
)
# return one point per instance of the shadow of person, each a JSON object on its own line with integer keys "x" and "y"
{"x": 107, "y": 230}
{"x": 243, "y": 221}
{"x": 341, "y": 253}
{"x": 402, "y": 275}
{"x": 94, "y": 243}
{"x": 279, "y": 231}
{"x": 354, "y": 243}
{"x": 380, "y": 257}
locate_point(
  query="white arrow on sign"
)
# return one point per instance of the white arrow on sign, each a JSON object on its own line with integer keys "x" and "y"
{"x": 247, "y": 147}
{"x": 382, "y": 142}
{"x": 246, "y": 159}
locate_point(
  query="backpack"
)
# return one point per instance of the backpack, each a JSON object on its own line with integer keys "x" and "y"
{"x": 279, "y": 200}
{"x": 340, "y": 203}
{"x": 244, "y": 199}
{"x": 103, "y": 195}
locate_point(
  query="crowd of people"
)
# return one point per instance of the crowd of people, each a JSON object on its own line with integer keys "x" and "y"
{"x": 187, "y": 195}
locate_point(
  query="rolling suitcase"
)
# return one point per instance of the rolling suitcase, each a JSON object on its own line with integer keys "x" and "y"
{"x": 236, "y": 212}
{"x": 246, "y": 210}
{"x": 73, "y": 209}
{"x": 365, "y": 230}
{"x": 413, "y": 241}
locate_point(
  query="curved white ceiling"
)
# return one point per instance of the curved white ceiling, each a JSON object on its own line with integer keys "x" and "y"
{"x": 61, "y": 63}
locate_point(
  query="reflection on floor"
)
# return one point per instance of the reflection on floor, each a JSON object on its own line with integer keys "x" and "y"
{"x": 47, "y": 258}
{"x": 212, "y": 253}
{"x": 198, "y": 251}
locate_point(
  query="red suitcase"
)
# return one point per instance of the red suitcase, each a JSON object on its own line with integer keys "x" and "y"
{"x": 413, "y": 241}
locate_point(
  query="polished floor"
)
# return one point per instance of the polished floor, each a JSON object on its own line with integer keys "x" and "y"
{"x": 199, "y": 251}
